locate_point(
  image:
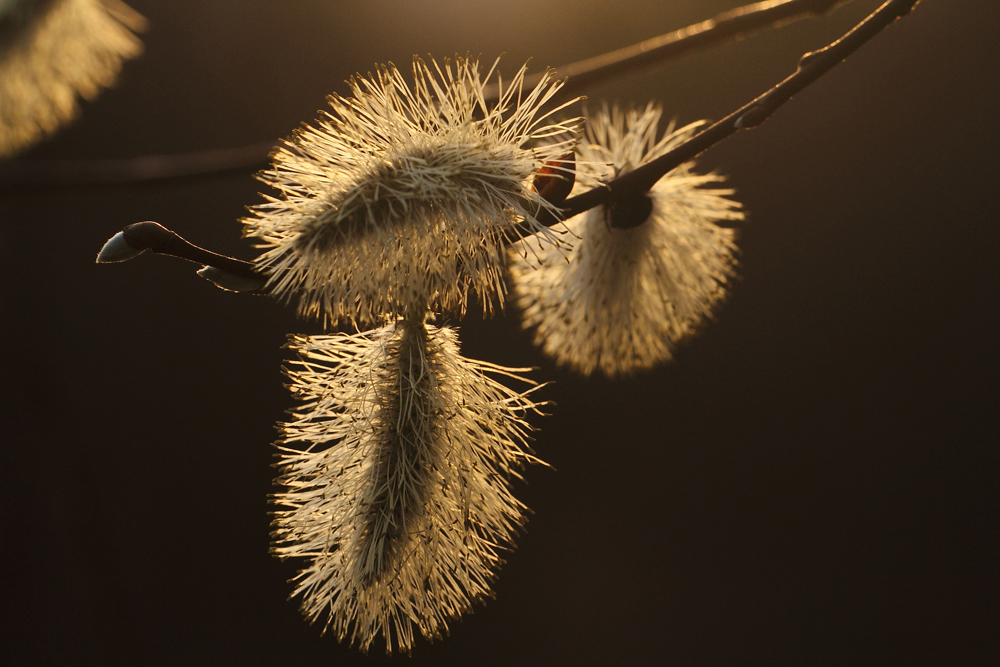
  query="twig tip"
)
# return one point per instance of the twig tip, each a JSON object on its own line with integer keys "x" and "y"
{"x": 117, "y": 249}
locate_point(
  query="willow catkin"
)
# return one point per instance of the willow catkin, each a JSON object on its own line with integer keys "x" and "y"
{"x": 396, "y": 471}
{"x": 405, "y": 193}
{"x": 621, "y": 299}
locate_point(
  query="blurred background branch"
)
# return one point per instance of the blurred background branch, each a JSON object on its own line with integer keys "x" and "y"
{"x": 734, "y": 24}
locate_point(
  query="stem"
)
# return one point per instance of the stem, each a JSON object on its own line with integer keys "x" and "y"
{"x": 811, "y": 67}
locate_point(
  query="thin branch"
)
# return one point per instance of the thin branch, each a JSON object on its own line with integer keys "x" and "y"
{"x": 733, "y": 24}
{"x": 811, "y": 67}
{"x": 725, "y": 26}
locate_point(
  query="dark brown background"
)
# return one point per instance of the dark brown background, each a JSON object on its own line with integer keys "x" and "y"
{"x": 813, "y": 481}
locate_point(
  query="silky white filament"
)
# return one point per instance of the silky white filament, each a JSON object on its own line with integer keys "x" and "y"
{"x": 50, "y": 52}
{"x": 406, "y": 193}
{"x": 621, "y": 299}
{"x": 396, "y": 471}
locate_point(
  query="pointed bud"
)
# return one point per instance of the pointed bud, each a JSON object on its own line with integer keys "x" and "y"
{"x": 117, "y": 249}
{"x": 231, "y": 281}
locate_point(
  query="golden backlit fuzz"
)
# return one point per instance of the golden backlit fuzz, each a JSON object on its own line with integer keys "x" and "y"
{"x": 396, "y": 471}
{"x": 622, "y": 298}
{"x": 406, "y": 193}
{"x": 50, "y": 52}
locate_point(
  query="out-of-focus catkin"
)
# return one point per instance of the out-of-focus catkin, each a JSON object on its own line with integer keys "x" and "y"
{"x": 620, "y": 299}
{"x": 52, "y": 51}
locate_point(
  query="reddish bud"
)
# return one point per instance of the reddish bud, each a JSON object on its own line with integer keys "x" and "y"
{"x": 554, "y": 181}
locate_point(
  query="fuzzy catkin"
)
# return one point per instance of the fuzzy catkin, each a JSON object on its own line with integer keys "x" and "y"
{"x": 620, "y": 300}
{"x": 396, "y": 471}
{"x": 405, "y": 193}
{"x": 51, "y": 51}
